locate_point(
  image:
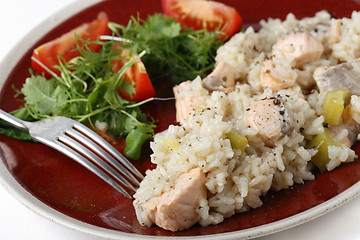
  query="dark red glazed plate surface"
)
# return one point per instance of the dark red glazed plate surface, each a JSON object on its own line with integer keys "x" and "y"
{"x": 68, "y": 188}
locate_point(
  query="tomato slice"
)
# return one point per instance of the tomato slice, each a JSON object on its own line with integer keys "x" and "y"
{"x": 63, "y": 46}
{"x": 202, "y": 14}
{"x": 135, "y": 75}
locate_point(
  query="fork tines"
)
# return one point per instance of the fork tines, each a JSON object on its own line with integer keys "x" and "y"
{"x": 100, "y": 157}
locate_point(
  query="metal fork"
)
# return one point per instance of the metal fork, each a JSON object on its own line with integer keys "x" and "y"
{"x": 84, "y": 146}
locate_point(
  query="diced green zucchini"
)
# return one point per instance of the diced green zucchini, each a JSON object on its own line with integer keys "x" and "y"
{"x": 237, "y": 141}
{"x": 334, "y": 104}
{"x": 322, "y": 142}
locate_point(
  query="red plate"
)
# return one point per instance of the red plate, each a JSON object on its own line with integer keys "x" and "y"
{"x": 68, "y": 188}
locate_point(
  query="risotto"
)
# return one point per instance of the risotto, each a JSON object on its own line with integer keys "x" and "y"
{"x": 257, "y": 128}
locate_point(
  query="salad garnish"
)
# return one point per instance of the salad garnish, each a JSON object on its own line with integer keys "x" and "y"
{"x": 99, "y": 79}
{"x": 174, "y": 52}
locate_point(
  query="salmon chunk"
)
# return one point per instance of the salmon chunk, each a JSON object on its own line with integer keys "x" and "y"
{"x": 187, "y": 100}
{"x": 277, "y": 74}
{"x": 221, "y": 79}
{"x": 299, "y": 47}
{"x": 176, "y": 210}
{"x": 186, "y": 103}
{"x": 269, "y": 117}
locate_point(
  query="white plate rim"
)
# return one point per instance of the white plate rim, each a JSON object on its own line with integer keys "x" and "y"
{"x": 17, "y": 191}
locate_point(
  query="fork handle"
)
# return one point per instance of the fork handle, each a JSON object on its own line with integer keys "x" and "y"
{"x": 20, "y": 124}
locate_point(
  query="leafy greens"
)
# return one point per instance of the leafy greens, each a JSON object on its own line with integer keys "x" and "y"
{"x": 87, "y": 88}
{"x": 173, "y": 53}
{"x": 87, "y": 91}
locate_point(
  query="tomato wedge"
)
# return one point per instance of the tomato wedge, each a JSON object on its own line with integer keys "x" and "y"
{"x": 63, "y": 46}
{"x": 202, "y": 14}
{"x": 137, "y": 76}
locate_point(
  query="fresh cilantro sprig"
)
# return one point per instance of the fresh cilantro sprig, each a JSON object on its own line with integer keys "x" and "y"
{"x": 173, "y": 53}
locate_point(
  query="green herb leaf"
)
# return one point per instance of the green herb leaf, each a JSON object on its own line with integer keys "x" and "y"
{"x": 42, "y": 96}
{"x": 173, "y": 53}
{"x": 135, "y": 140}
{"x": 11, "y": 131}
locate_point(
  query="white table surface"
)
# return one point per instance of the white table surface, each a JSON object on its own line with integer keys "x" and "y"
{"x": 18, "y": 17}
